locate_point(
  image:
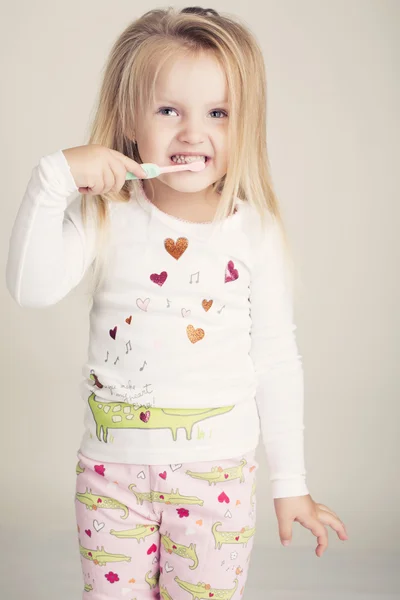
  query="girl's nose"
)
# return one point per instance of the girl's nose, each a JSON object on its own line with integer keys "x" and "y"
{"x": 193, "y": 131}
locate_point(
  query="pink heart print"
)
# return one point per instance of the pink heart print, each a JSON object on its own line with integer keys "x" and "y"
{"x": 231, "y": 274}
{"x": 153, "y": 548}
{"x": 159, "y": 279}
{"x": 223, "y": 498}
{"x": 145, "y": 416}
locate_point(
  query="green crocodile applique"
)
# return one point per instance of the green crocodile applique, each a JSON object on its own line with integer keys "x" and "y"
{"x": 79, "y": 469}
{"x": 152, "y": 581}
{"x": 93, "y": 502}
{"x": 122, "y": 415}
{"x": 232, "y": 537}
{"x": 220, "y": 475}
{"x": 164, "y": 594}
{"x": 88, "y": 587}
{"x": 164, "y": 497}
{"x": 183, "y": 551}
{"x": 101, "y": 557}
{"x": 139, "y": 532}
{"x": 203, "y": 591}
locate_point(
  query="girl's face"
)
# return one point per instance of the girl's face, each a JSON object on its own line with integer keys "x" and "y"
{"x": 190, "y": 115}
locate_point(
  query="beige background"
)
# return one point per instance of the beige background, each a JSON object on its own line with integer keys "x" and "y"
{"x": 333, "y": 119}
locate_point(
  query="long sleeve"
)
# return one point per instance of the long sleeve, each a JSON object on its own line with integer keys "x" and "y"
{"x": 280, "y": 385}
{"x": 49, "y": 248}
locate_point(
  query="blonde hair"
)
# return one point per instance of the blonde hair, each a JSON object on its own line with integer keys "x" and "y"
{"x": 128, "y": 86}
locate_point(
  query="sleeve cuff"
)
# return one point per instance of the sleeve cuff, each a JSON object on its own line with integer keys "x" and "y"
{"x": 57, "y": 174}
{"x": 288, "y": 488}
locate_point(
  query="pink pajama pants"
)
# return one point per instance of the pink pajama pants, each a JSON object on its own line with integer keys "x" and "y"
{"x": 174, "y": 532}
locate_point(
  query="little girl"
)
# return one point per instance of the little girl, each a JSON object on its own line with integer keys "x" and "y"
{"x": 192, "y": 348}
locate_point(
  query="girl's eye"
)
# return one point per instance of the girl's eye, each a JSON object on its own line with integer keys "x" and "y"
{"x": 213, "y": 111}
{"x": 161, "y": 109}
{"x": 220, "y": 111}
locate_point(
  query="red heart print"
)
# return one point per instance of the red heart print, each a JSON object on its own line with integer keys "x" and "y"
{"x": 90, "y": 554}
{"x": 99, "y": 500}
{"x": 128, "y": 320}
{"x": 151, "y": 528}
{"x": 174, "y": 547}
{"x": 161, "y": 497}
{"x": 163, "y": 475}
{"x": 237, "y": 538}
{"x": 231, "y": 274}
{"x": 152, "y": 549}
{"x": 99, "y": 469}
{"x": 88, "y": 532}
{"x": 226, "y": 475}
{"x": 223, "y": 498}
{"x": 113, "y": 332}
{"x": 210, "y": 595}
{"x": 145, "y": 416}
{"x": 159, "y": 279}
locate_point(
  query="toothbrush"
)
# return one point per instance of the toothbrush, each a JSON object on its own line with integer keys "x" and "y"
{"x": 154, "y": 170}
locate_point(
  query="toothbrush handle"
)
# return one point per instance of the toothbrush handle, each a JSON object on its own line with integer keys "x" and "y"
{"x": 151, "y": 169}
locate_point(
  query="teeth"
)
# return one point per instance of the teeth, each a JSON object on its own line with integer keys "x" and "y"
{"x": 177, "y": 158}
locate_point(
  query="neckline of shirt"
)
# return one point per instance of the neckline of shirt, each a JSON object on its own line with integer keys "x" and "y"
{"x": 145, "y": 203}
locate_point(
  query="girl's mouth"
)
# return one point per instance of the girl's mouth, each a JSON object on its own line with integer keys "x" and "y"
{"x": 207, "y": 161}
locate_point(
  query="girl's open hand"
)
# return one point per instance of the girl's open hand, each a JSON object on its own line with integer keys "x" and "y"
{"x": 311, "y": 515}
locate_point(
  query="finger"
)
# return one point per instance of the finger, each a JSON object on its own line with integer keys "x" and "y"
{"x": 109, "y": 179}
{"x": 120, "y": 176}
{"x": 320, "y": 533}
{"x": 331, "y": 511}
{"x": 326, "y": 508}
{"x": 129, "y": 164}
{"x": 96, "y": 187}
{"x": 285, "y": 533}
{"x": 87, "y": 189}
{"x": 328, "y": 519}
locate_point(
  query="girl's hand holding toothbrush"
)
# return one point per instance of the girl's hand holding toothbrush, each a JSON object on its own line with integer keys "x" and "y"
{"x": 97, "y": 169}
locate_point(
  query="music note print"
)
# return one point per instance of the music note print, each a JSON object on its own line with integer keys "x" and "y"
{"x": 116, "y": 360}
{"x": 143, "y": 366}
{"x": 219, "y": 311}
{"x": 130, "y": 346}
{"x": 193, "y": 275}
